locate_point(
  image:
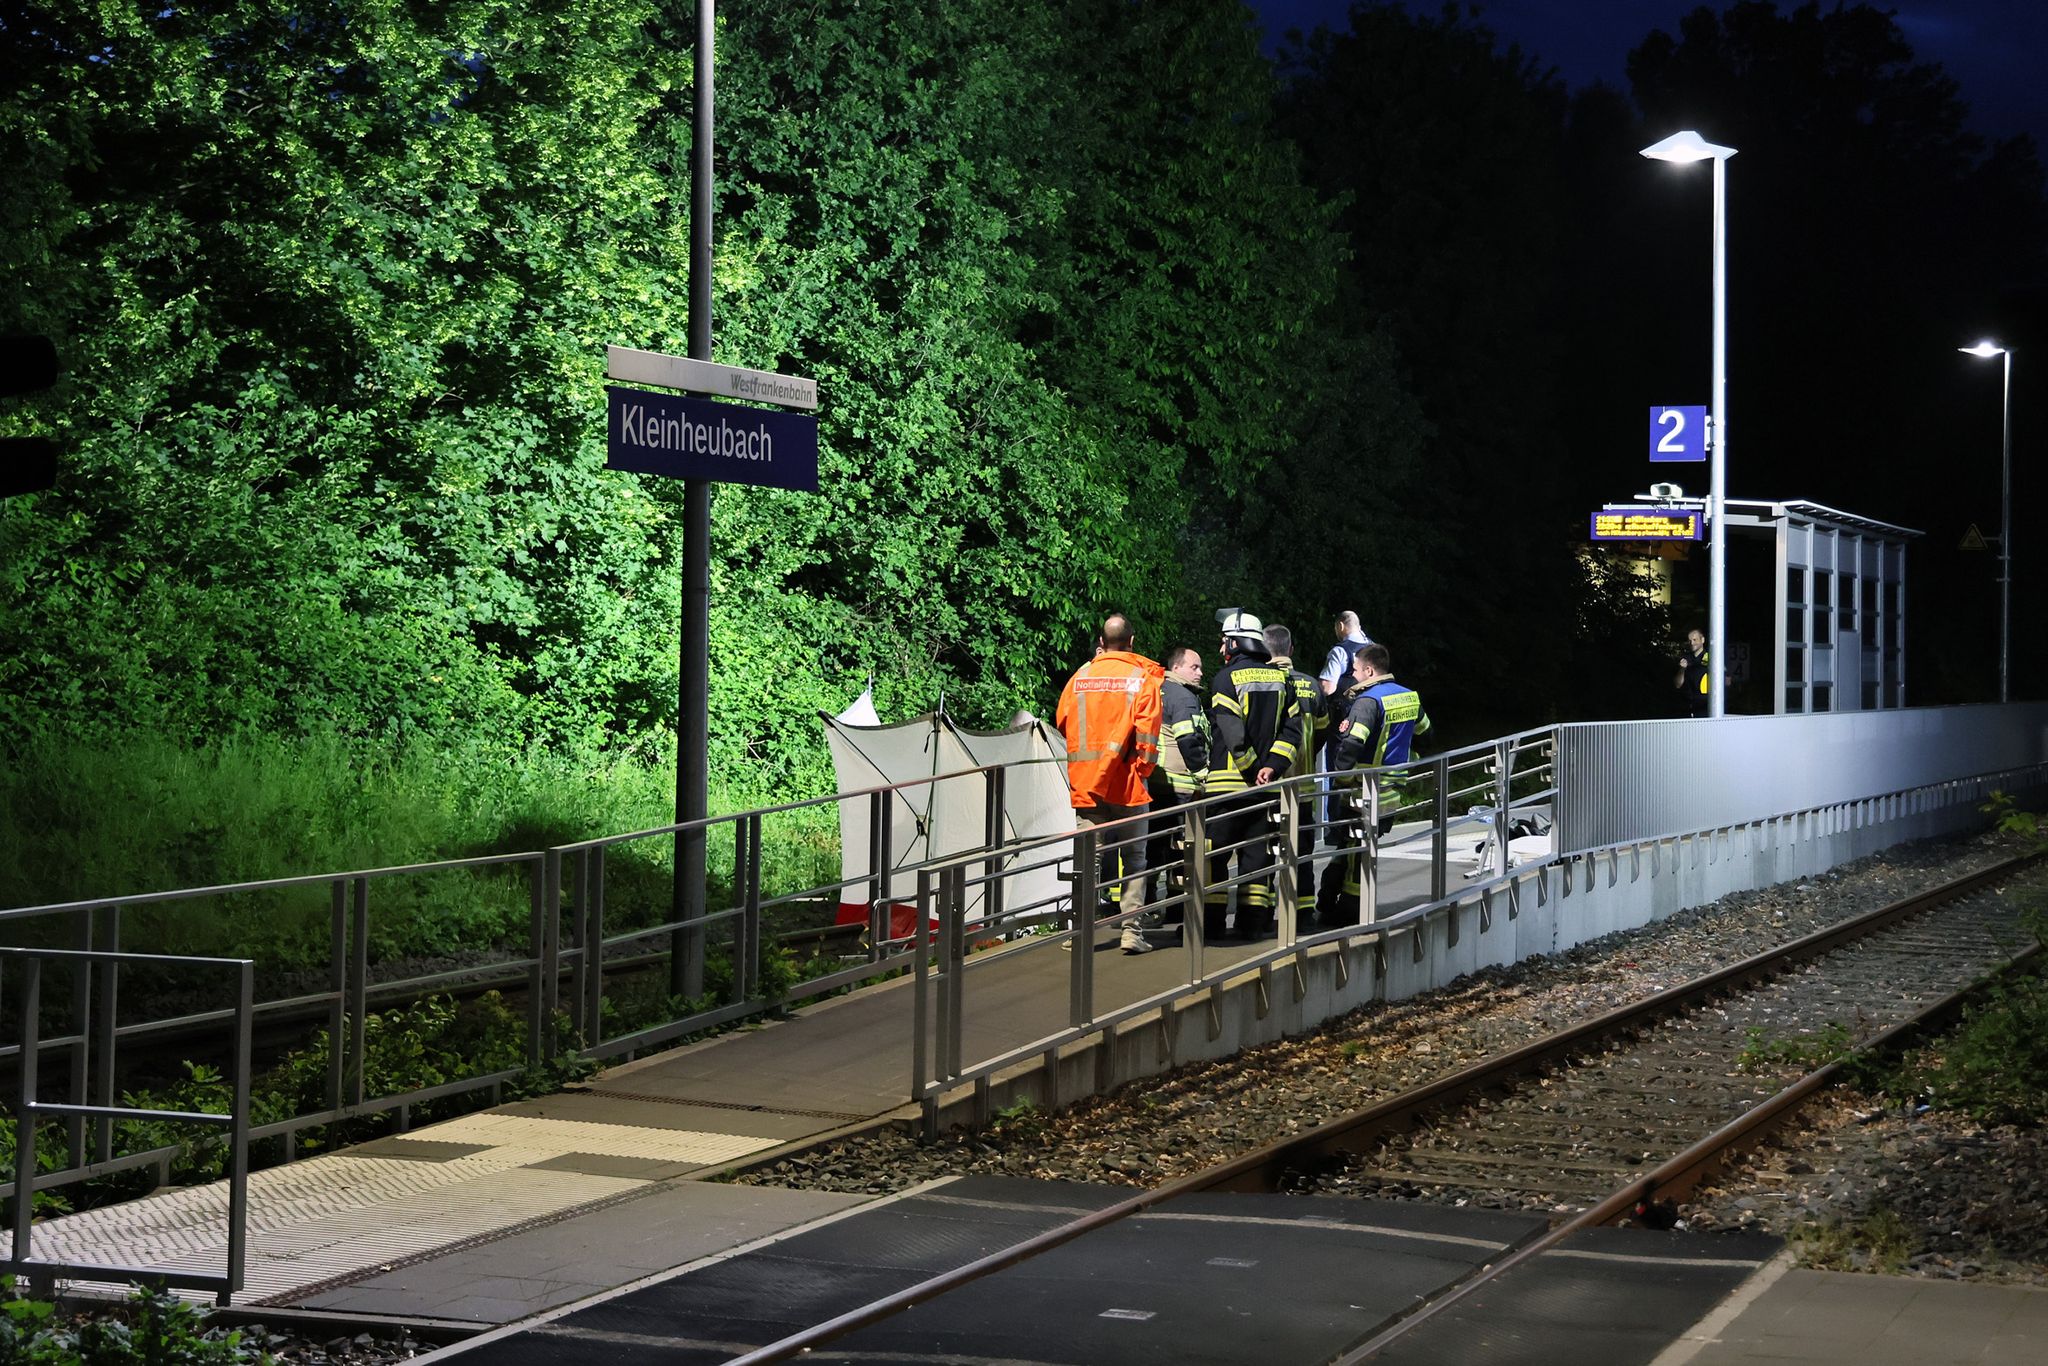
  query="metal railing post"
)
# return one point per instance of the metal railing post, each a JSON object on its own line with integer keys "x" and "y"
{"x": 593, "y": 949}
{"x": 1369, "y": 850}
{"x": 879, "y": 890}
{"x": 1440, "y": 833}
{"x": 992, "y": 884}
{"x": 106, "y": 1041}
{"x": 337, "y": 985}
{"x": 536, "y": 950}
{"x": 1195, "y": 886}
{"x": 1504, "y": 762}
{"x": 1286, "y": 882}
{"x": 549, "y": 988}
{"x": 575, "y": 920}
{"x": 77, "y": 1054}
{"x": 920, "y": 994}
{"x": 953, "y": 929}
{"x": 750, "y": 921}
{"x": 949, "y": 985}
{"x": 238, "y": 1132}
{"x": 25, "y": 1111}
{"x": 358, "y": 987}
{"x": 1081, "y": 972}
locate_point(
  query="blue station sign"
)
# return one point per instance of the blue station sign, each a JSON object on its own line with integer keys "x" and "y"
{"x": 699, "y": 438}
{"x": 1678, "y": 433}
{"x": 1641, "y": 523}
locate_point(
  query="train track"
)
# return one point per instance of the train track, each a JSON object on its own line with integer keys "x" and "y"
{"x": 1614, "y": 1118}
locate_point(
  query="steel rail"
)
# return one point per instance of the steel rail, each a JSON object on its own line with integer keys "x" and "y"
{"x": 1261, "y": 1168}
{"x": 1680, "y": 1174}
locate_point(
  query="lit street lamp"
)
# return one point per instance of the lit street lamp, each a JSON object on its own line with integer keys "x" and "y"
{"x": 1988, "y": 349}
{"x": 1685, "y": 147}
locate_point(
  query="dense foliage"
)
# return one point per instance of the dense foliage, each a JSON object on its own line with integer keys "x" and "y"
{"x": 333, "y": 290}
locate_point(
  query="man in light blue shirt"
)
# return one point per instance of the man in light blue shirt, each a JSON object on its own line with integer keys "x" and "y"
{"x": 1337, "y": 664}
{"x": 1336, "y": 674}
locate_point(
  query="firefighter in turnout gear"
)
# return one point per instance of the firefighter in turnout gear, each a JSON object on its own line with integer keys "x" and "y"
{"x": 1256, "y": 737}
{"x": 1308, "y": 695}
{"x": 1378, "y": 730}
{"x": 1183, "y": 770}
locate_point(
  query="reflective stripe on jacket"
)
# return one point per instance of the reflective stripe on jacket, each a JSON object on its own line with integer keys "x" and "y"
{"x": 1184, "y": 741}
{"x": 1381, "y": 727}
{"x": 1308, "y": 695}
{"x": 1256, "y": 721}
{"x": 1109, "y": 712}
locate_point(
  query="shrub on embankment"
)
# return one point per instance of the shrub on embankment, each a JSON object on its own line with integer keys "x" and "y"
{"x": 1993, "y": 1065}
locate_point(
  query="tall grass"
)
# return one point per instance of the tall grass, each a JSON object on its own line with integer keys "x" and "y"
{"x": 82, "y": 820}
{"x": 145, "y": 813}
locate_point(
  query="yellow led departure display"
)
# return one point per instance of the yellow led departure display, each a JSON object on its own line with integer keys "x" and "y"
{"x": 1648, "y": 524}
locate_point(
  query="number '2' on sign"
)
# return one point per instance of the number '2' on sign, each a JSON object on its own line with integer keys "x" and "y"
{"x": 1678, "y": 433}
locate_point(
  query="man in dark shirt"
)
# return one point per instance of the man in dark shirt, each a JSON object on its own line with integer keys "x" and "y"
{"x": 1183, "y": 769}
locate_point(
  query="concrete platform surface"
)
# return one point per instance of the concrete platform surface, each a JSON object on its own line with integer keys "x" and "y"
{"x": 1836, "y": 1319}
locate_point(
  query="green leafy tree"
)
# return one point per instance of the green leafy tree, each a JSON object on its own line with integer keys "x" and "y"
{"x": 1446, "y": 153}
{"x": 333, "y": 289}
{"x": 328, "y": 284}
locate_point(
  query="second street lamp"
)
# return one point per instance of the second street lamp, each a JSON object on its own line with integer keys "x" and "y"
{"x": 1688, "y": 147}
{"x": 1986, "y": 350}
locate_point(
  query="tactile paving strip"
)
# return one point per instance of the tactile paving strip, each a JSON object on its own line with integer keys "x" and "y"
{"x": 556, "y": 1136}
{"x": 327, "y": 1217}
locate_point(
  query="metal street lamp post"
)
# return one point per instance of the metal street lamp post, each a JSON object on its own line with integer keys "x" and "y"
{"x": 1986, "y": 350}
{"x": 1687, "y": 147}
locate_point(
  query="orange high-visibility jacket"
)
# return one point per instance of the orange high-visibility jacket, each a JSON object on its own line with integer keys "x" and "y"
{"x": 1109, "y": 713}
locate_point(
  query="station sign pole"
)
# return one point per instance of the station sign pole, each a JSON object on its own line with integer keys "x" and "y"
{"x": 702, "y": 442}
{"x": 693, "y": 728}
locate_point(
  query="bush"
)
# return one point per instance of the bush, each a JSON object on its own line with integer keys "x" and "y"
{"x": 156, "y": 1329}
{"x": 1993, "y": 1067}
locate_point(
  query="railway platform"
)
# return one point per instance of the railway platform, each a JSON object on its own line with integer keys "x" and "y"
{"x": 582, "y": 1221}
{"x": 558, "y": 1207}
{"x": 351, "y": 1231}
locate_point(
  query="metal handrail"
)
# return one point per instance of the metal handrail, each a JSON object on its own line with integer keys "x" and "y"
{"x": 945, "y": 1016}
{"x": 29, "y": 1109}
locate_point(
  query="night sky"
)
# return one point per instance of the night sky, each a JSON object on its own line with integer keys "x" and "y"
{"x": 1993, "y": 48}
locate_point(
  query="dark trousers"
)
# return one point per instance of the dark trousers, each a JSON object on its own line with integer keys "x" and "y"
{"x": 1230, "y": 822}
{"x": 1122, "y": 851}
{"x": 1162, "y": 860}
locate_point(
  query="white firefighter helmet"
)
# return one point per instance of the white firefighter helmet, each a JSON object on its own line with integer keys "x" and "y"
{"x": 1242, "y": 625}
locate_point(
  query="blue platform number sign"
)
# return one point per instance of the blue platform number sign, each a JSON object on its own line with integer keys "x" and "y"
{"x": 1678, "y": 433}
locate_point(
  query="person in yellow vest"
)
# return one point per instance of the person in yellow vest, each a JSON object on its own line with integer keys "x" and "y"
{"x": 1693, "y": 673}
{"x": 1378, "y": 730}
{"x": 1183, "y": 770}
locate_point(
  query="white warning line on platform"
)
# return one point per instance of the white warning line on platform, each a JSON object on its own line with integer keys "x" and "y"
{"x": 329, "y": 1216}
